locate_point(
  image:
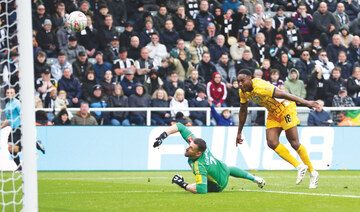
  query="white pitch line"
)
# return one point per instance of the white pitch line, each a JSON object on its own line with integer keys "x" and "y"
{"x": 105, "y": 178}
{"x": 171, "y": 191}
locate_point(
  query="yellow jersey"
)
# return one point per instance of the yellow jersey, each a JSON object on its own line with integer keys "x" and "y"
{"x": 263, "y": 94}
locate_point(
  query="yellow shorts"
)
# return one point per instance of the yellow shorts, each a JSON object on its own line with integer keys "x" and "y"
{"x": 286, "y": 120}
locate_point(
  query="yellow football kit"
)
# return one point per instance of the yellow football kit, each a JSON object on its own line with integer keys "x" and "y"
{"x": 281, "y": 113}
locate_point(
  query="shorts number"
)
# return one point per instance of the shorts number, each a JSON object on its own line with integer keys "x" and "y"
{"x": 287, "y": 118}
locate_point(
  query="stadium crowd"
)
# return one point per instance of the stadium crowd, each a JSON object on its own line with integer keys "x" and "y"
{"x": 187, "y": 53}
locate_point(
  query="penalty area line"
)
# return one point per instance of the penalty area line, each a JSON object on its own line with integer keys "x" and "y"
{"x": 301, "y": 193}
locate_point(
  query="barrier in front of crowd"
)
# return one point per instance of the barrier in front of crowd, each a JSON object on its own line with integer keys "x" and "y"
{"x": 130, "y": 148}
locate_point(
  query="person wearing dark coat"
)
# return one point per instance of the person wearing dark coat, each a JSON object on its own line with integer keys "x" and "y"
{"x": 125, "y": 37}
{"x": 188, "y": 34}
{"x": 284, "y": 66}
{"x": 233, "y": 97}
{"x": 221, "y": 120}
{"x": 204, "y": 17}
{"x": 128, "y": 83}
{"x": 72, "y": 86}
{"x": 98, "y": 100}
{"x": 205, "y": 67}
{"x": 246, "y": 62}
{"x": 172, "y": 85}
{"x": 315, "y": 86}
{"x": 334, "y": 48}
{"x": 62, "y": 118}
{"x": 260, "y": 49}
{"x": 332, "y": 86}
{"x": 107, "y": 84}
{"x": 134, "y": 48}
{"x": 160, "y": 99}
{"x": 107, "y": 33}
{"x": 39, "y": 17}
{"x": 139, "y": 99}
{"x": 119, "y": 11}
{"x": 40, "y": 64}
{"x": 88, "y": 84}
{"x": 199, "y": 117}
{"x": 153, "y": 82}
{"x": 160, "y": 18}
{"x": 89, "y": 38}
{"x": 47, "y": 39}
{"x": 305, "y": 65}
{"x": 81, "y": 66}
{"x": 118, "y": 99}
{"x": 100, "y": 67}
{"x": 145, "y": 35}
{"x": 345, "y": 65}
{"x": 179, "y": 19}
{"x": 169, "y": 36}
{"x": 353, "y": 86}
{"x": 192, "y": 84}
{"x": 352, "y": 52}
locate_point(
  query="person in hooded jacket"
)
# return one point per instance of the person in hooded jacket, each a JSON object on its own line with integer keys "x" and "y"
{"x": 216, "y": 90}
{"x": 294, "y": 85}
{"x": 153, "y": 82}
{"x": 138, "y": 99}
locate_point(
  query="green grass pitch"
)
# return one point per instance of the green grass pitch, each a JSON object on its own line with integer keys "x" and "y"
{"x": 153, "y": 191}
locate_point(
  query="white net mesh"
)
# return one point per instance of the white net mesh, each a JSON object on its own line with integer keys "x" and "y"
{"x": 10, "y": 146}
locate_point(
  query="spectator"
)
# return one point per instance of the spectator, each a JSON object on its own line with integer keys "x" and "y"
{"x": 351, "y": 8}
{"x": 315, "y": 49}
{"x": 246, "y": 63}
{"x": 200, "y": 100}
{"x": 315, "y": 85}
{"x": 241, "y": 21}
{"x": 88, "y": 84}
{"x": 62, "y": 118}
{"x": 266, "y": 68}
{"x": 325, "y": 24}
{"x": 116, "y": 100}
{"x": 111, "y": 52}
{"x": 205, "y": 67}
{"x": 284, "y": 66}
{"x": 107, "y": 84}
{"x": 118, "y": 9}
{"x": 210, "y": 35}
{"x": 81, "y": 66}
{"x": 237, "y": 50}
{"x": 269, "y": 31}
{"x": 217, "y": 50}
{"x": 251, "y": 4}
{"x": 305, "y": 65}
{"x": 61, "y": 102}
{"x": 342, "y": 99}
{"x": 344, "y": 65}
{"x": 181, "y": 66}
{"x": 40, "y": 64}
{"x": 294, "y": 85}
{"x": 98, "y": 100}
{"x": 180, "y": 19}
{"x": 49, "y": 101}
{"x": 226, "y": 68}
{"x": 60, "y": 64}
{"x": 127, "y": 34}
{"x": 157, "y": 51}
{"x": 160, "y": 18}
{"x": 62, "y": 34}
{"x": 143, "y": 65}
{"x": 89, "y": 38}
{"x": 345, "y": 37}
{"x": 180, "y": 118}
{"x": 344, "y": 120}
{"x": 331, "y": 5}
{"x": 153, "y": 82}
{"x": 107, "y": 32}
{"x": 47, "y": 39}
{"x": 192, "y": 84}
{"x": 278, "y": 21}
{"x": 84, "y": 7}
{"x": 83, "y": 117}
{"x": 257, "y": 18}
{"x": 233, "y": 98}
{"x": 326, "y": 65}
{"x": 58, "y": 18}
{"x": 71, "y": 85}
{"x": 231, "y": 4}
{"x": 138, "y": 99}
{"x": 121, "y": 65}
{"x": 353, "y": 86}
{"x": 260, "y": 49}
{"x": 100, "y": 66}
{"x": 41, "y": 119}
{"x": 355, "y": 26}
{"x": 39, "y": 18}
{"x": 134, "y": 49}
{"x": 341, "y": 17}
{"x": 353, "y": 50}
{"x": 334, "y": 48}
{"x": 44, "y": 83}
{"x": 164, "y": 70}
{"x": 99, "y": 18}
{"x": 188, "y": 34}
{"x": 304, "y": 22}
{"x": 293, "y": 38}
{"x": 145, "y": 35}
{"x": 278, "y": 49}
{"x": 73, "y": 49}
{"x": 319, "y": 117}
{"x": 216, "y": 90}
{"x": 160, "y": 99}
{"x": 129, "y": 83}
{"x": 173, "y": 84}
{"x": 197, "y": 48}
{"x": 180, "y": 103}
{"x": 221, "y": 120}
{"x": 169, "y": 36}
{"x": 258, "y": 74}
{"x": 204, "y": 17}
{"x": 332, "y": 85}
{"x": 180, "y": 46}
{"x": 275, "y": 78}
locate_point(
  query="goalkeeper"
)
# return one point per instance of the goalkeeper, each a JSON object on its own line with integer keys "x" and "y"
{"x": 211, "y": 175}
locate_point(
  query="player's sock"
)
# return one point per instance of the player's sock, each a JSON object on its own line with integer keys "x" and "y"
{"x": 305, "y": 157}
{"x": 285, "y": 154}
{"x": 16, "y": 159}
{"x": 236, "y": 172}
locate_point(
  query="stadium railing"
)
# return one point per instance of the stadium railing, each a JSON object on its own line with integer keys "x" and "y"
{"x": 302, "y": 111}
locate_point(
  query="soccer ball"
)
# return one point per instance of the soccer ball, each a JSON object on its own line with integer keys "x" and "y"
{"x": 76, "y": 21}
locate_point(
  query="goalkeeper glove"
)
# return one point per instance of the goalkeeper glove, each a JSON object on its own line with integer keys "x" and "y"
{"x": 160, "y": 139}
{"x": 179, "y": 180}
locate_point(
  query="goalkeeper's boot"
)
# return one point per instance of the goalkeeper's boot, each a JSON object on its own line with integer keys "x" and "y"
{"x": 314, "y": 178}
{"x": 40, "y": 147}
{"x": 302, "y": 169}
{"x": 260, "y": 182}
{"x": 19, "y": 169}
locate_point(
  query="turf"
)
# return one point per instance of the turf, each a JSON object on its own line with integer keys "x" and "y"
{"x": 153, "y": 191}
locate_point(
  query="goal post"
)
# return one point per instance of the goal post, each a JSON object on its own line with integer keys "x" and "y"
{"x": 26, "y": 77}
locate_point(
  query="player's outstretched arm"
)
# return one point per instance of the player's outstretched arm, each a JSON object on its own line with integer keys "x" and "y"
{"x": 242, "y": 118}
{"x": 171, "y": 130}
{"x": 283, "y": 95}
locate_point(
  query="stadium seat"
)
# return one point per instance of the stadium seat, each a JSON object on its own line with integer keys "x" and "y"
{"x": 153, "y": 13}
{"x": 92, "y": 60}
{"x": 120, "y": 29}
{"x": 50, "y": 61}
{"x": 295, "y": 60}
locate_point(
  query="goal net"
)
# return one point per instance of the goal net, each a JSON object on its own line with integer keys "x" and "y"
{"x": 18, "y": 177}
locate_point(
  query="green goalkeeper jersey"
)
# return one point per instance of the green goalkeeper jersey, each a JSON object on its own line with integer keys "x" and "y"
{"x": 211, "y": 175}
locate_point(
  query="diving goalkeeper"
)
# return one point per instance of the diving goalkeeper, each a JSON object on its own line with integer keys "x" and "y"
{"x": 211, "y": 175}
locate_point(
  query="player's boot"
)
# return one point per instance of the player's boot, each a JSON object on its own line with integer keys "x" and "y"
{"x": 19, "y": 169}
{"x": 260, "y": 182}
{"x": 302, "y": 169}
{"x": 314, "y": 178}
{"x": 40, "y": 147}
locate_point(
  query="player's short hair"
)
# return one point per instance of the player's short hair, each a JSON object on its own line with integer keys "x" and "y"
{"x": 201, "y": 144}
{"x": 247, "y": 72}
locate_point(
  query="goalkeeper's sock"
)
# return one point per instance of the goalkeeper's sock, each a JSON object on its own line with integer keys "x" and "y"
{"x": 17, "y": 160}
{"x": 236, "y": 172}
{"x": 305, "y": 157}
{"x": 285, "y": 154}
